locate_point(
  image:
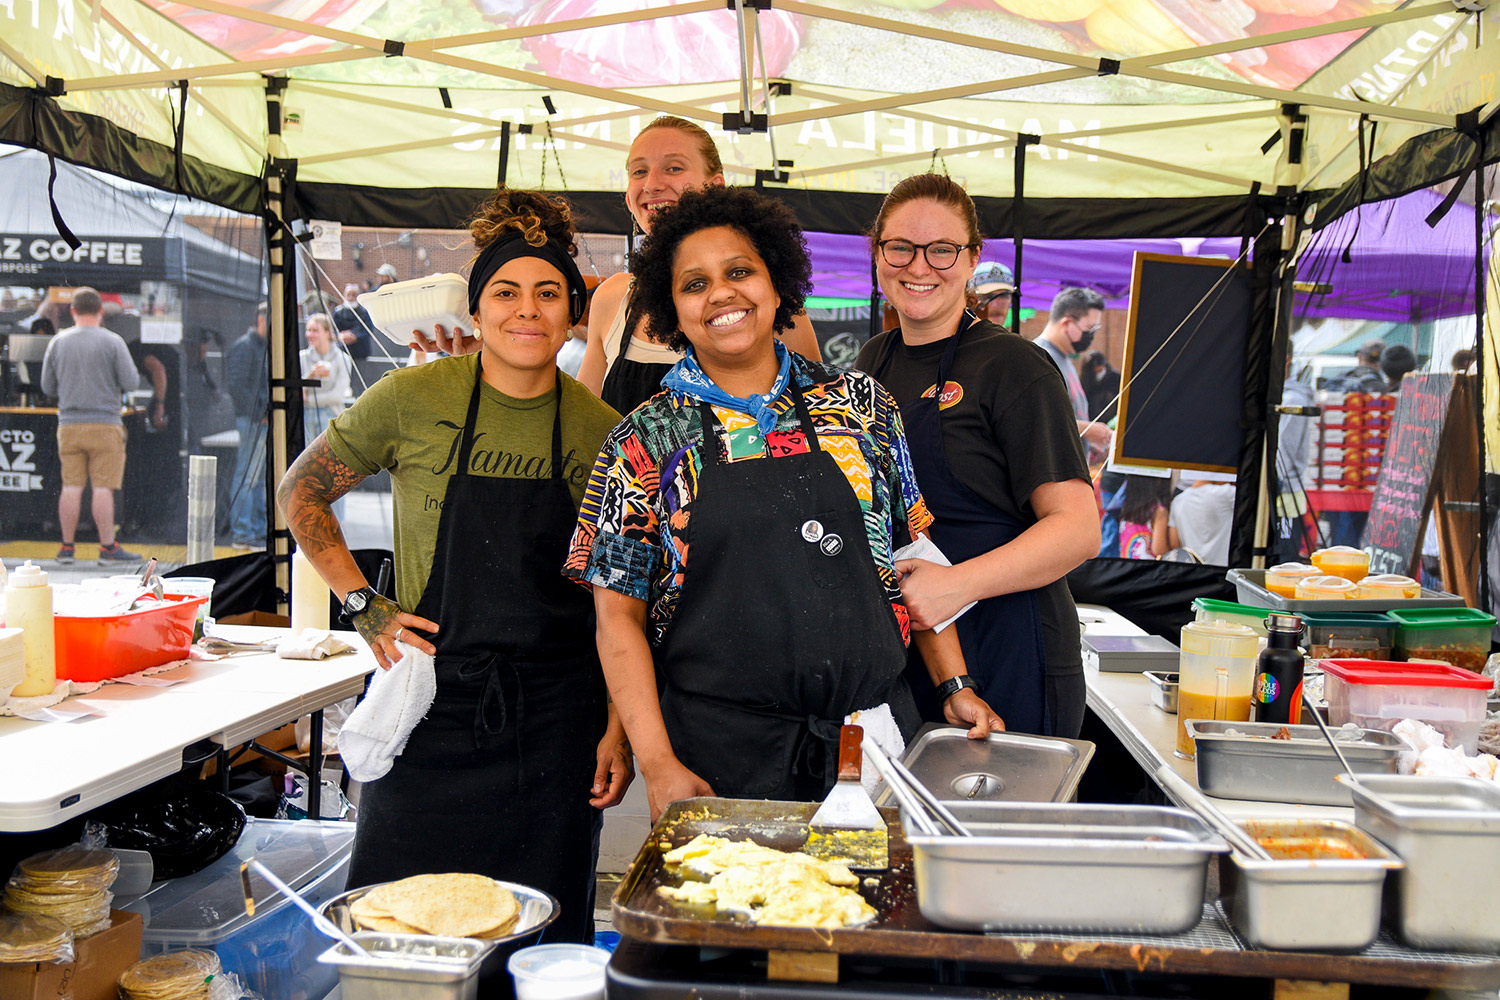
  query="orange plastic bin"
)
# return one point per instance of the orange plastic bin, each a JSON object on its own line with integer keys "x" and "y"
{"x": 99, "y": 647}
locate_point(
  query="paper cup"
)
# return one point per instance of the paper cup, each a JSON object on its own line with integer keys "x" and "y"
{"x": 559, "y": 972}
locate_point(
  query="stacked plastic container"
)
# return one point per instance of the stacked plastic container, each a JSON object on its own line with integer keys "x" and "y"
{"x": 1351, "y": 441}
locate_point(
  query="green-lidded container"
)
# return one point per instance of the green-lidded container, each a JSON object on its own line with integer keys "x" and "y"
{"x": 1210, "y": 610}
{"x": 1460, "y": 636}
{"x": 1357, "y": 635}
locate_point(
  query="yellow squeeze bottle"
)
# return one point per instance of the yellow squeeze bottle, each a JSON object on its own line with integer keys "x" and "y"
{"x": 28, "y": 607}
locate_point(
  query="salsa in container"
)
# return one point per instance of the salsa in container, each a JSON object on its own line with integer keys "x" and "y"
{"x": 1460, "y": 636}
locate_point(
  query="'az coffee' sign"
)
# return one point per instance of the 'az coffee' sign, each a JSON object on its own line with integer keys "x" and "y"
{"x": 18, "y": 471}
{"x": 48, "y": 260}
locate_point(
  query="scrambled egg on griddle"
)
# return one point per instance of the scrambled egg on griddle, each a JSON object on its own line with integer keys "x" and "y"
{"x": 781, "y": 888}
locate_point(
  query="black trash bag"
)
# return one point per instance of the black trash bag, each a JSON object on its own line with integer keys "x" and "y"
{"x": 186, "y": 827}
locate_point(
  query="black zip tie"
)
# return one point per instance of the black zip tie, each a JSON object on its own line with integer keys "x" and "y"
{"x": 394, "y": 48}
{"x": 1467, "y": 124}
{"x": 447, "y": 101}
{"x": 1364, "y": 176}
{"x": 547, "y": 103}
{"x": 504, "y": 152}
{"x": 180, "y": 131}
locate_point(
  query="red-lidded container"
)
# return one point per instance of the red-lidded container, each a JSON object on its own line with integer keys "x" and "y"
{"x": 1377, "y": 694}
{"x": 101, "y": 647}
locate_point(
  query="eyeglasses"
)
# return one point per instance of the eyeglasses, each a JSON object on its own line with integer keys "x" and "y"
{"x": 1087, "y": 329}
{"x": 940, "y": 254}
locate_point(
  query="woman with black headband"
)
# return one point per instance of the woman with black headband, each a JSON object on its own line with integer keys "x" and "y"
{"x": 489, "y": 454}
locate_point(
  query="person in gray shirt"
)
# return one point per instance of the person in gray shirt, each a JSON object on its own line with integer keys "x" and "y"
{"x": 88, "y": 368}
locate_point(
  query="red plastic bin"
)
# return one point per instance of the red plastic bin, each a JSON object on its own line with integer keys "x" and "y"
{"x": 100, "y": 647}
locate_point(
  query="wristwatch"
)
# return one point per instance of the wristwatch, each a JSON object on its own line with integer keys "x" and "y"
{"x": 953, "y": 685}
{"x": 356, "y": 601}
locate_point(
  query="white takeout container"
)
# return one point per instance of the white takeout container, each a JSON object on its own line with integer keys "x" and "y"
{"x": 419, "y": 304}
{"x": 559, "y": 972}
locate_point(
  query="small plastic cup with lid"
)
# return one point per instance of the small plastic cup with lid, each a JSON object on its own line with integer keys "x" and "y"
{"x": 1283, "y": 578}
{"x": 1389, "y": 587}
{"x": 559, "y": 972}
{"x": 1326, "y": 588}
{"x": 1343, "y": 560}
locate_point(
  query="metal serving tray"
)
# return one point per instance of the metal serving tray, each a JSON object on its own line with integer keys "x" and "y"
{"x": 1316, "y": 903}
{"x": 1066, "y": 867}
{"x": 1447, "y": 830}
{"x": 408, "y": 967}
{"x": 1250, "y": 584}
{"x": 1301, "y": 769}
{"x": 1131, "y": 654}
{"x": 1164, "y": 687}
{"x": 1012, "y": 767}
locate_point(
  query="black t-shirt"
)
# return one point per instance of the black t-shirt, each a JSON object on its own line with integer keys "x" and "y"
{"x": 1010, "y": 430}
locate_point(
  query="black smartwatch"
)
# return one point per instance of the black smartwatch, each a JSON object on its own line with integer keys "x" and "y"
{"x": 356, "y": 601}
{"x": 953, "y": 685}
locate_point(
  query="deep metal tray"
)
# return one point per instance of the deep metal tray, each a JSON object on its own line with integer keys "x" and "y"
{"x": 1006, "y": 767}
{"x": 1302, "y": 769}
{"x": 1250, "y": 585}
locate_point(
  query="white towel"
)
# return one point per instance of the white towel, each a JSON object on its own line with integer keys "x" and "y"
{"x": 926, "y": 548}
{"x": 879, "y": 725}
{"x": 376, "y": 731}
{"x": 312, "y": 644}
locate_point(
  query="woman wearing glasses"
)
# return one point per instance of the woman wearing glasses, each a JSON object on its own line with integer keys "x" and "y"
{"x": 998, "y": 455}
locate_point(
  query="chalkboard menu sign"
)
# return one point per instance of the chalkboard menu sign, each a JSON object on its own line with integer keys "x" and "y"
{"x": 1394, "y": 529}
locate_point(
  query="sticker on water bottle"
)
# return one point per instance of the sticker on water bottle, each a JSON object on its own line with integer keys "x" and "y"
{"x": 1266, "y": 688}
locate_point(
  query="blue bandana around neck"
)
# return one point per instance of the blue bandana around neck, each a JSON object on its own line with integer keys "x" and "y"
{"x": 688, "y": 378}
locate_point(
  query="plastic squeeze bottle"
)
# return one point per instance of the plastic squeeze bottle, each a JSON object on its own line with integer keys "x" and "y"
{"x": 28, "y": 607}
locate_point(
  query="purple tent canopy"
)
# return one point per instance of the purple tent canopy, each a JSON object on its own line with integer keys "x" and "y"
{"x": 1400, "y": 269}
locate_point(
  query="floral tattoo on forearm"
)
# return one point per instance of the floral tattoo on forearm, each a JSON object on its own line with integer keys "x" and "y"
{"x": 316, "y": 479}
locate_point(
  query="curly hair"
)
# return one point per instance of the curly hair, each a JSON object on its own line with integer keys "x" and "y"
{"x": 537, "y": 216}
{"x": 771, "y": 229}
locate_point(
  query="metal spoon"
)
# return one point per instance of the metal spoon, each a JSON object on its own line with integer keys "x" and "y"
{"x": 1323, "y": 727}
{"x": 321, "y": 922}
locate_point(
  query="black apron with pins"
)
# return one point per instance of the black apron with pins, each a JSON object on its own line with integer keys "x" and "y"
{"x": 1001, "y": 636}
{"x": 782, "y": 628}
{"x": 495, "y": 780}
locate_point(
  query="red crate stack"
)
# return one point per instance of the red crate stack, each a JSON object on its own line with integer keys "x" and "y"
{"x": 1352, "y": 433}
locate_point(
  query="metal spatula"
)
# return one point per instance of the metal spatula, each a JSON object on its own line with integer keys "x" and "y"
{"x": 847, "y": 827}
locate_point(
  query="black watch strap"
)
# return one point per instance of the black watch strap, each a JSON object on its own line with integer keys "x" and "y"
{"x": 953, "y": 685}
{"x": 353, "y": 606}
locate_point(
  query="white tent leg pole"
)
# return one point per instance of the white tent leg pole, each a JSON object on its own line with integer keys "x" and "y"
{"x": 278, "y": 237}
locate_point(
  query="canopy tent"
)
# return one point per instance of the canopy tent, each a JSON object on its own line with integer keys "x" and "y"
{"x": 1066, "y": 119}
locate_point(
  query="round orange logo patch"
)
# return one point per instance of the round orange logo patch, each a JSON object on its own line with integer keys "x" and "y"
{"x": 952, "y": 393}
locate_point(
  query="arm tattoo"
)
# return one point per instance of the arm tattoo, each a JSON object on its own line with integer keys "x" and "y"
{"x": 373, "y": 620}
{"x": 316, "y": 479}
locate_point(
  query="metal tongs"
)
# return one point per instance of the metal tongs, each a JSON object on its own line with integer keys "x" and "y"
{"x": 227, "y": 647}
{"x": 322, "y": 923}
{"x": 917, "y": 800}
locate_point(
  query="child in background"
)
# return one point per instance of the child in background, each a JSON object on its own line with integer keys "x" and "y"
{"x": 1143, "y": 517}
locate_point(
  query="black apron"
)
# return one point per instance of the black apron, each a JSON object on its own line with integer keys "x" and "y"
{"x": 1001, "y": 636}
{"x": 495, "y": 780}
{"x": 782, "y": 627}
{"x": 629, "y": 383}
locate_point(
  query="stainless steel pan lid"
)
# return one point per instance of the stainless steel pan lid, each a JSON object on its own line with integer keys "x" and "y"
{"x": 1013, "y": 767}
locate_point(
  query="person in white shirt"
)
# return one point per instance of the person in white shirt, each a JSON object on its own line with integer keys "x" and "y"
{"x": 323, "y": 360}
{"x": 1202, "y": 517}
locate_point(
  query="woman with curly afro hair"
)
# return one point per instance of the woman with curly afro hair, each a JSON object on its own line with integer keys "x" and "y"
{"x": 791, "y": 480}
{"x": 488, "y": 458}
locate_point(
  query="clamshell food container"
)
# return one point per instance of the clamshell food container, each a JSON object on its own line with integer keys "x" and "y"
{"x": 1011, "y": 767}
{"x": 538, "y": 910}
{"x": 1250, "y": 588}
{"x": 1163, "y": 690}
{"x": 408, "y": 967}
{"x": 1066, "y": 867}
{"x": 1321, "y": 891}
{"x": 1243, "y": 760}
{"x": 1447, "y": 830}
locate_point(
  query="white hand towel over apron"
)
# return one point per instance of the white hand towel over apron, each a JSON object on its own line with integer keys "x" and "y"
{"x": 375, "y": 733}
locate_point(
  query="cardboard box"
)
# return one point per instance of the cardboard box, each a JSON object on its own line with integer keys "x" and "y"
{"x": 261, "y": 618}
{"x": 97, "y": 963}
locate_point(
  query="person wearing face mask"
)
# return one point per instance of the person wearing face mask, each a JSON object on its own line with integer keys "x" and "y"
{"x": 621, "y": 364}
{"x": 1075, "y": 317}
{"x": 998, "y": 455}
{"x": 488, "y": 455}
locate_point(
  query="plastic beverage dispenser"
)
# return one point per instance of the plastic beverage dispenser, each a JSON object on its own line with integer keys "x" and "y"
{"x": 1216, "y": 673}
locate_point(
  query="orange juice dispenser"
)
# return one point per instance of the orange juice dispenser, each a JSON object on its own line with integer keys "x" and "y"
{"x": 1215, "y": 674}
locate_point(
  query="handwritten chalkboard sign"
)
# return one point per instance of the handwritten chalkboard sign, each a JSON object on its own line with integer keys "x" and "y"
{"x": 1394, "y": 529}
{"x": 1184, "y": 364}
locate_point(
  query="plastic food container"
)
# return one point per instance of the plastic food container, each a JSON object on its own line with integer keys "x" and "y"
{"x": 1389, "y": 587}
{"x": 1326, "y": 588}
{"x": 419, "y": 304}
{"x": 1376, "y": 694}
{"x": 99, "y": 647}
{"x": 1343, "y": 560}
{"x": 1209, "y": 610}
{"x": 403, "y": 967}
{"x": 1447, "y": 830}
{"x": 1460, "y": 636}
{"x": 559, "y": 972}
{"x": 1283, "y": 578}
{"x": 1355, "y": 636}
{"x": 1320, "y": 893}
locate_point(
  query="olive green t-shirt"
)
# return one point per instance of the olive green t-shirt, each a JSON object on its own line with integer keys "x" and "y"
{"x": 410, "y": 422}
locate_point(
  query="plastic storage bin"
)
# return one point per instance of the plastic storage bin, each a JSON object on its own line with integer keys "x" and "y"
{"x": 1209, "y": 610}
{"x": 1375, "y": 694}
{"x": 98, "y": 647}
{"x": 1460, "y": 636}
{"x": 275, "y": 953}
{"x": 1356, "y": 636}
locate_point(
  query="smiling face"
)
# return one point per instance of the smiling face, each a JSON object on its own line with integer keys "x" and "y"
{"x": 523, "y": 315}
{"x": 726, "y": 303}
{"x": 663, "y": 163}
{"x": 926, "y": 298}
{"x": 319, "y": 336}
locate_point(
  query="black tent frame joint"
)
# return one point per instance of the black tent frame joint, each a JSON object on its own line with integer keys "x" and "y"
{"x": 757, "y": 4}
{"x": 54, "y": 86}
{"x": 1109, "y": 67}
{"x": 394, "y": 48}
{"x": 779, "y": 175}
{"x": 745, "y": 122}
{"x": 276, "y": 84}
{"x": 1024, "y": 139}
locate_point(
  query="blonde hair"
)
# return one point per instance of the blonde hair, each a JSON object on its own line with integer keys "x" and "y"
{"x": 323, "y": 320}
{"x": 707, "y": 148}
{"x": 537, "y": 216}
